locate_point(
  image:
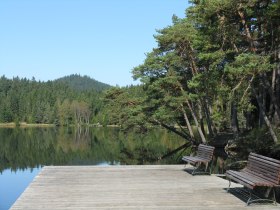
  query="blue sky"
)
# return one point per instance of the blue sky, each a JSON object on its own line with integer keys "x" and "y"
{"x": 103, "y": 39}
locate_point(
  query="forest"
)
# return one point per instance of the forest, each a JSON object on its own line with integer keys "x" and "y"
{"x": 213, "y": 72}
{"x": 71, "y": 100}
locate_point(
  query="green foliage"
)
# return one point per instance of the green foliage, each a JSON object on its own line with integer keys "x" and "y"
{"x": 83, "y": 83}
{"x": 124, "y": 108}
{"x": 254, "y": 142}
{"x": 217, "y": 66}
{"x": 29, "y": 101}
{"x": 247, "y": 64}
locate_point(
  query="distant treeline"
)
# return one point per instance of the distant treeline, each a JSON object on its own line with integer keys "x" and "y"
{"x": 65, "y": 101}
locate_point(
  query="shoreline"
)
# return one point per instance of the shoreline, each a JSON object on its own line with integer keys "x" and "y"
{"x": 25, "y": 125}
{"x": 42, "y": 125}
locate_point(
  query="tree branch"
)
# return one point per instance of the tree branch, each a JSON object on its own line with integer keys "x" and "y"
{"x": 174, "y": 130}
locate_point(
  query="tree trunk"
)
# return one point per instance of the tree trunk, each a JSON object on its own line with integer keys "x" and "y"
{"x": 234, "y": 119}
{"x": 277, "y": 85}
{"x": 201, "y": 134}
{"x": 274, "y": 110}
{"x": 187, "y": 121}
{"x": 190, "y": 54}
{"x": 249, "y": 123}
{"x": 262, "y": 110}
{"x": 201, "y": 121}
{"x": 196, "y": 122}
{"x": 211, "y": 128}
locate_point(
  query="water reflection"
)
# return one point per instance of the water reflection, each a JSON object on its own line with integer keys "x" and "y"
{"x": 23, "y": 148}
{"x": 31, "y": 148}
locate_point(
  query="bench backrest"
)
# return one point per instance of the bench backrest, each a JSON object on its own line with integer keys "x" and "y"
{"x": 205, "y": 152}
{"x": 264, "y": 167}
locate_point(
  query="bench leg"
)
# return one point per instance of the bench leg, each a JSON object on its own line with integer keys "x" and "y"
{"x": 229, "y": 183}
{"x": 273, "y": 194}
{"x": 250, "y": 198}
{"x": 274, "y": 197}
{"x": 211, "y": 166}
{"x": 196, "y": 168}
{"x": 206, "y": 167}
{"x": 273, "y": 200}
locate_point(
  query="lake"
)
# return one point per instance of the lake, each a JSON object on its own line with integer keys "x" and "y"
{"x": 24, "y": 151}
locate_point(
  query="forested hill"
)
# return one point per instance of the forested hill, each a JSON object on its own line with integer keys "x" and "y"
{"x": 32, "y": 101}
{"x": 82, "y": 83}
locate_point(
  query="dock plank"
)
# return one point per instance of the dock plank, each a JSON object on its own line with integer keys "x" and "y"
{"x": 127, "y": 187}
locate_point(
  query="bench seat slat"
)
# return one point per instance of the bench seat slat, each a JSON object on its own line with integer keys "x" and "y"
{"x": 255, "y": 178}
{"x": 201, "y": 153}
{"x": 264, "y": 175}
{"x": 260, "y": 161}
{"x": 201, "y": 150}
{"x": 265, "y": 158}
{"x": 194, "y": 159}
{"x": 205, "y": 157}
{"x": 246, "y": 183}
{"x": 273, "y": 174}
{"x": 248, "y": 180}
{"x": 206, "y": 152}
{"x": 261, "y": 167}
{"x": 262, "y": 164}
{"x": 206, "y": 146}
{"x": 247, "y": 176}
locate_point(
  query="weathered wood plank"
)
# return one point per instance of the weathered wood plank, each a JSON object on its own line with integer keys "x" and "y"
{"x": 127, "y": 187}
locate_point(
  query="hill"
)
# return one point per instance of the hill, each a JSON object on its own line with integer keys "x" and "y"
{"x": 66, "y": 101}
{"x": 82, "y": 83}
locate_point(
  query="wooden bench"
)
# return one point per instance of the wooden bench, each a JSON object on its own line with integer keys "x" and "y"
{"x": 260, "y": 171}
{"x": 204, "y": 156}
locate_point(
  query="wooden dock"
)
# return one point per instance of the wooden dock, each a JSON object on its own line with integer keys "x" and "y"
{"x": 129, "y": 187}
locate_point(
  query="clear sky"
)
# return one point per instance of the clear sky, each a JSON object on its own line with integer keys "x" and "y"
{"x": 103, "y": 39}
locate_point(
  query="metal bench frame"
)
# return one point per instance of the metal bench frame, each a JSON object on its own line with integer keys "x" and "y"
{"x": 204, "y": 156}
{"x": 260, "y": 171}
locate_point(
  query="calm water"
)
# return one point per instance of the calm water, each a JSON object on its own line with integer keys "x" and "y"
{"x": 23, "y": 152}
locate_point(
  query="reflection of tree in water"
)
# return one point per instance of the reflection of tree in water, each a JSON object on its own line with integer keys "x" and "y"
{"x": 82, "y": 134}
{"x": 34, "y": 147}
{"x": 23, "y": 148}
{"x": 149, "y": 148}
